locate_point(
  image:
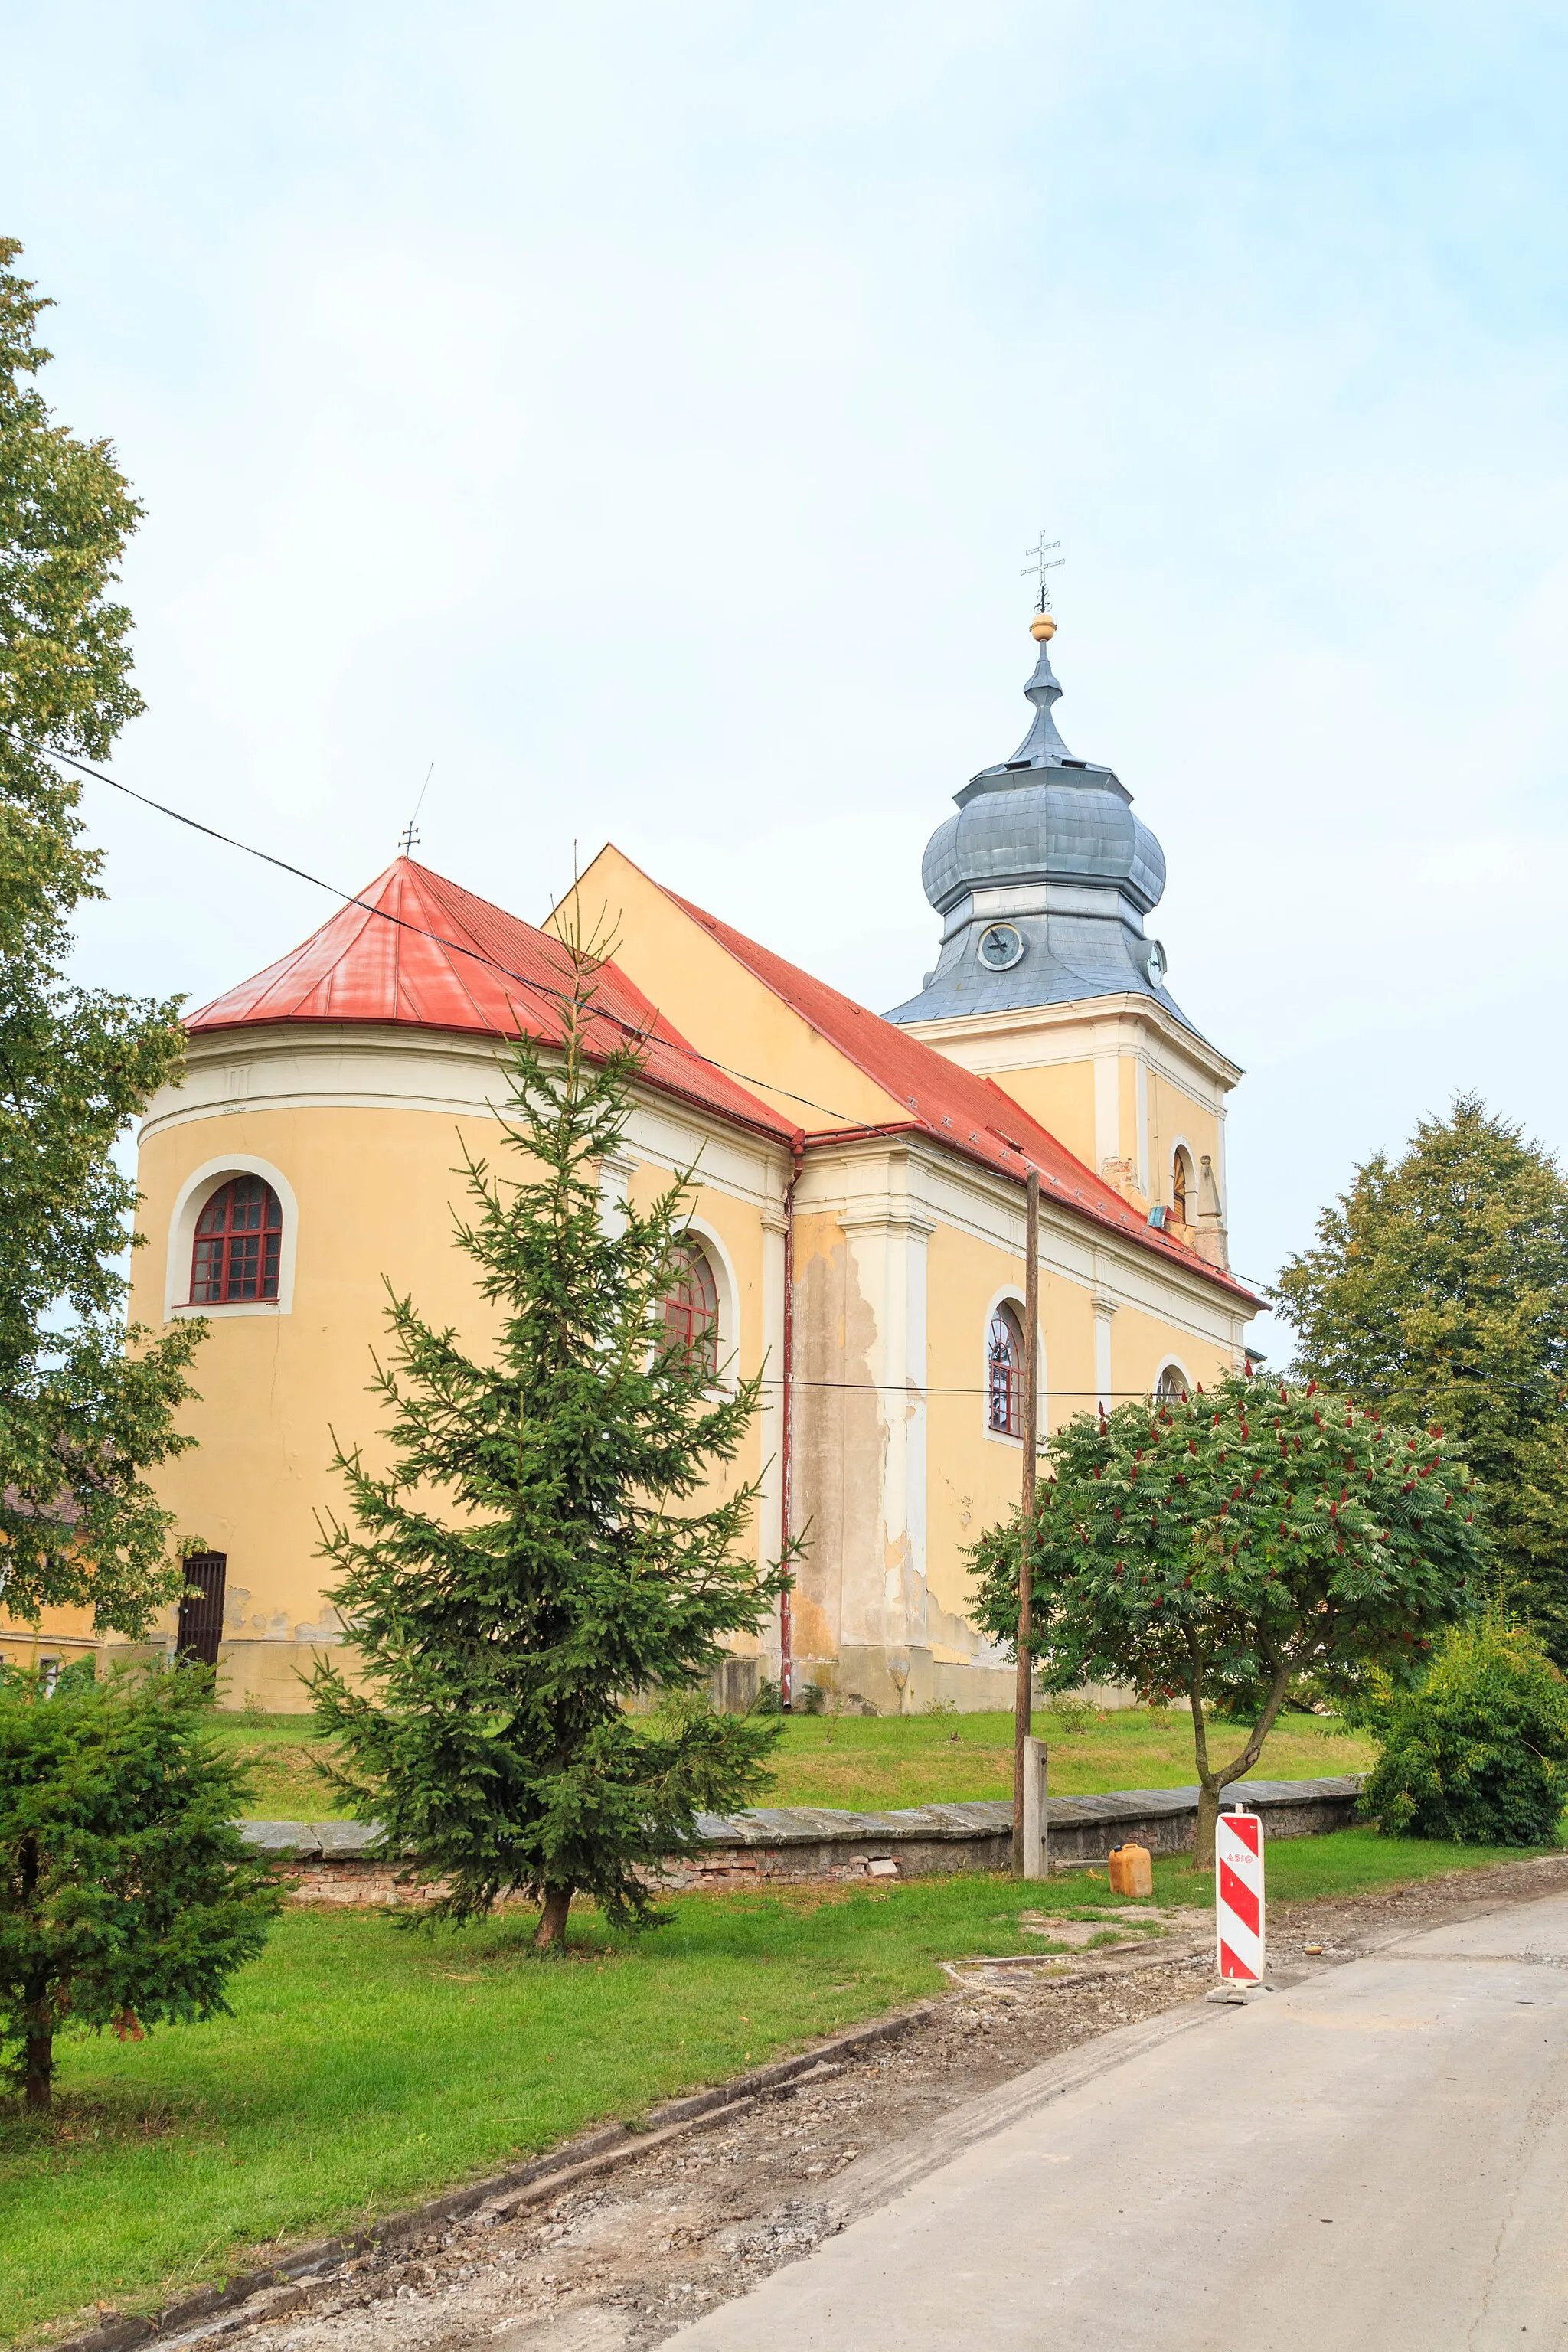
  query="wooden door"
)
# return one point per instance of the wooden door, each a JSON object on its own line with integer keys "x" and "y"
{"x": 201, "y": 1606}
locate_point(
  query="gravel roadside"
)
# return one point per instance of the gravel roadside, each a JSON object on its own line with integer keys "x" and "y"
{"x": 619, "y": 2261}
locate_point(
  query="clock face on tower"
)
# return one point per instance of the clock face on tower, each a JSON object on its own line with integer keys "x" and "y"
{"x": 1155, "y": 966}
{"x": 1000, "y": 947}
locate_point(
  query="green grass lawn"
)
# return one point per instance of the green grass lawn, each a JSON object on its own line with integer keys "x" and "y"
{"x": 366, "y": 2065}
{"x": 880, "y": 1761}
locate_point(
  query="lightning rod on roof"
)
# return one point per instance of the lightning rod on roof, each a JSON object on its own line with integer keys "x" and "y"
{"x": 410, "y": 833}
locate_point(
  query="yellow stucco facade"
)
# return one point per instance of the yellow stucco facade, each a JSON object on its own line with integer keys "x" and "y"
{"x": 876, "y": 1179}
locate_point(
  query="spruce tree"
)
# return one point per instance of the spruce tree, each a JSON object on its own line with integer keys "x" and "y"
{"x": 1437, "y": 1288}
{"x": 84, "y": 1407}
{"x": 128, "y": 1898}
{"x": 541, "y": 1560}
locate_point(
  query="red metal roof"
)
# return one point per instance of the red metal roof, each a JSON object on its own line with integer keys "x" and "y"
{"x": 972, "y": 1115}
{"x": 415, "y": 951}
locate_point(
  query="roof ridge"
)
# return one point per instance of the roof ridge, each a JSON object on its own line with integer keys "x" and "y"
{"x": 1089, "y": 1191}
{"x": 439, "y": 886}
{"x": 499, "y": 975}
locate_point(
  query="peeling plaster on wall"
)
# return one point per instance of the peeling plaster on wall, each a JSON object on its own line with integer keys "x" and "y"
{"x": 947, "y": 1631}
{"x": 234, "y": 1607}
{"x": 904, "y": 1596}
{"x": 330, "y": 1629}
{"x": 839, "y": 1438}
{"x": 846, "y": 1452}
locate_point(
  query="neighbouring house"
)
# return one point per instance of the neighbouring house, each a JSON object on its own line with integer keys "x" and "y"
{"x": 858, "y": 1218}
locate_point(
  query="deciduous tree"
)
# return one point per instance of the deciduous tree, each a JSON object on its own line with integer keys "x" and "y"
{"x": 85, "y": 1408}
{"x": 1224, "y": 1547}
{"x": 1437, "y": 1289}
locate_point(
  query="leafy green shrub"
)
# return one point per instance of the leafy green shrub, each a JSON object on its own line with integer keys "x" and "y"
{"x": 1073, "y": 1716}
{"x": 1477, "y": 1751}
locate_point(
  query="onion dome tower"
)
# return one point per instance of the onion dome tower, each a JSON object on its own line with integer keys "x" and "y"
{"x": 1048, "y": 982}
{"x": 1042, "y": 880}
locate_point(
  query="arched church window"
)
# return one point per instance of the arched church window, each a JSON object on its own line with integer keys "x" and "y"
{"x": 691, "y": 1311}
{"x": 239, "y": 1241}
{"x": 1183, "y": 1191}
{"x": 1005, "y": 1373}
{"x": 1171, "y": 1388}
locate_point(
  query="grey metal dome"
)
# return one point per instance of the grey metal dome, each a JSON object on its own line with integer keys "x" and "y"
{"x": 1083, "y": 830}
{"x": 1043, "y": 879}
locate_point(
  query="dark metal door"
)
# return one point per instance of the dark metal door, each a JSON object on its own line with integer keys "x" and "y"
{"x": 201, "y": 1606}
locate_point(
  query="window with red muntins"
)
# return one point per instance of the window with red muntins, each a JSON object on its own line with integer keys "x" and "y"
{"x": 1005, "y": 1373}
{"x": 239, "y": 1242}
{"x": 691, "y": 1311}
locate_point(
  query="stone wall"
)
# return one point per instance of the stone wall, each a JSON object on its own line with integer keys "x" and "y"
{"x": 337, "y": 1862}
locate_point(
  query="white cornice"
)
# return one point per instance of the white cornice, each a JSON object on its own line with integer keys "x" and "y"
{"x": 340, "y": 1065}
{"x": 910, "y": 1178}
{"x": 1143, "y": 1018}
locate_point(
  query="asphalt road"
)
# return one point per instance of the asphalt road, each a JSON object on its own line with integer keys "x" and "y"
{"x": 1373, "y": 2160}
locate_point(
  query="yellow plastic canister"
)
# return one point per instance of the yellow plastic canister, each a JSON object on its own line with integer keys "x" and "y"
{"x": 1132, "y": 1870}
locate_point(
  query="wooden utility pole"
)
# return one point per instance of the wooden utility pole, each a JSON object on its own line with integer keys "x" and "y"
{"x": 1023, "y": 1865}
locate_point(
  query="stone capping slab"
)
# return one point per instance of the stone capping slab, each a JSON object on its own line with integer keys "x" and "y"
{"x": 314, "y": 1840}
{"x": 789, "y": 1825}
{"x": 1077, "y": 1824}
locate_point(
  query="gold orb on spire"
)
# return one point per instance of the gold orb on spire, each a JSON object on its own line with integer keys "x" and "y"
{"x": 1042, "y": 628}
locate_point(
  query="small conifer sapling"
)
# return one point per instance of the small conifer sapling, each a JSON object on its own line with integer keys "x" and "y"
{"x": 127, "y": 1896}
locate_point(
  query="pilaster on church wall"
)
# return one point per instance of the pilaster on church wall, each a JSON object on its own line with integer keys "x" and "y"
{"x": 770, "y": 1417}
{"x": 859, "y": 1452}
{"x": 888, "y": 1246}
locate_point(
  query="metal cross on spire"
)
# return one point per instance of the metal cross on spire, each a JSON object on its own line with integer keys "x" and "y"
{"x": 1042, "y": 561}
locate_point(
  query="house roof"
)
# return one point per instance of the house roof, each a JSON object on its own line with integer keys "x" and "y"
{"x": 415, "y": 951}
{"x": 969, "y": 1114}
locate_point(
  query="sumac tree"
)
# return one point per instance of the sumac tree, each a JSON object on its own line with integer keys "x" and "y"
{"x": 1224, "y": 1547}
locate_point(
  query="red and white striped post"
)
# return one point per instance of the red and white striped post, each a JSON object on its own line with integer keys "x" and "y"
{"x": 1238, "y": 1897}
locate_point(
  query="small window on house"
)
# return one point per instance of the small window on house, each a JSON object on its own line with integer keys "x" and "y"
{"x": 1005, "y": 1373}
{"x": 1183, "y": 1189}
{"x": 691, "y": 1311}
{"x": 239, "y": 1241}
{"x": 1171, "y": 1388}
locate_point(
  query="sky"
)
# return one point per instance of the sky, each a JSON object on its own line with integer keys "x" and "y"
{"x": 642, "y": 414}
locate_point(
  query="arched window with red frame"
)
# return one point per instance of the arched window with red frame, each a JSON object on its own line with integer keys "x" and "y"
{"x": 239, "y": 1243}
{"x": 1005, "y": 1373}
{"x": 691, "y": 1311}
{"x": 1183, "y": 1191}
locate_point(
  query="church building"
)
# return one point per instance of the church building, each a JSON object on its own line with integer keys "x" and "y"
{"x": 856, "y": 1229}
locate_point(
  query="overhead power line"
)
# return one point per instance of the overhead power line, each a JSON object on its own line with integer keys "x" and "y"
{"x": 476, "y": 955}
{"x": 457, "y": 947}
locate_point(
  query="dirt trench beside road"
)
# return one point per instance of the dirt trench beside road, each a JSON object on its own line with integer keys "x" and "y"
{"x": 621, "y": 2261}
